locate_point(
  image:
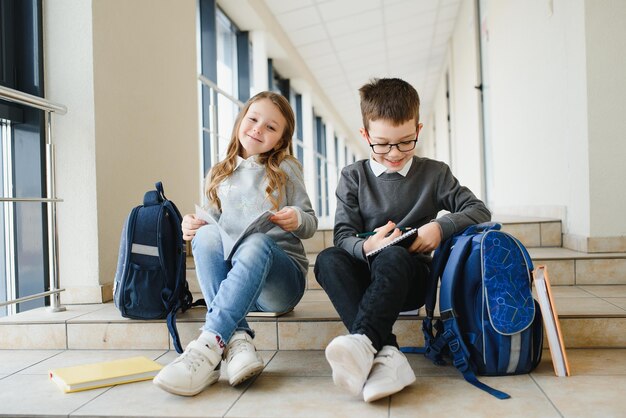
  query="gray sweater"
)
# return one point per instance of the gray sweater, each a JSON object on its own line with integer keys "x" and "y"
{"x": 242, "y": 196}
{"x": 365, "y": 202}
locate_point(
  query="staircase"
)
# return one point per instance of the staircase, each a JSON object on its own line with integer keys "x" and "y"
{"x": 590, "y": 291}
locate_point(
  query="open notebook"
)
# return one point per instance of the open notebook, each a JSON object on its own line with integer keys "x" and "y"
{"x": 261, "y": 223}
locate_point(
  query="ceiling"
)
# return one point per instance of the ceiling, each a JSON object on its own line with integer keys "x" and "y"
{"x": 344, "y": 43}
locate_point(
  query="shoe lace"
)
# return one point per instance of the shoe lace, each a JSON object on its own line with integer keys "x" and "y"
{"x": 192, "y": 359}
{"x": 238, "y": 346}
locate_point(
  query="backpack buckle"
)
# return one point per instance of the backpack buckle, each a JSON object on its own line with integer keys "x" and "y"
{"x": 460, "y": 363}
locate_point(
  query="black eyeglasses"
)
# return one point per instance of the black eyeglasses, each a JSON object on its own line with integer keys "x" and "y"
{"x": 403, "y": 146}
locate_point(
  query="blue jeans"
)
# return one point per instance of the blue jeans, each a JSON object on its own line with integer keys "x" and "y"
{"x": 259, "y": 277}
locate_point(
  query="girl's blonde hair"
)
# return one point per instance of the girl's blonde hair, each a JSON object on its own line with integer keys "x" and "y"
{"x": 277, "y": 178}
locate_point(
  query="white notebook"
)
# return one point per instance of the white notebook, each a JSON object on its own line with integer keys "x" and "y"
{"x": 402, "y": 237}
{"x": 551, "y": 322}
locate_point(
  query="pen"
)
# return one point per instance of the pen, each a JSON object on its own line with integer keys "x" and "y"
{"x": 369, "y": 234}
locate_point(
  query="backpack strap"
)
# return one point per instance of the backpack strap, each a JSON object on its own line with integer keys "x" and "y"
{"x": 433, "y": 345}
{"x": 452, "y": 336}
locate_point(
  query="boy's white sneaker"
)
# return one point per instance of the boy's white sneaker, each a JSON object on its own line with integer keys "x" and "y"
{"x": 390, "y": 373}
{"x": 241, "y": 358}
{"x": 350, "y": 357}
{"x": 192, "y": 371}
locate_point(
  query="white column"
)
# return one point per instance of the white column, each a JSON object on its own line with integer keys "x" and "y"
{"x": 259, "y": 61}
{"x": 331, "y": 158}
{"x": 307, "y": 139}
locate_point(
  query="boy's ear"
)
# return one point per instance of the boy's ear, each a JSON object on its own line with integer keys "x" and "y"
{"x": 363, "y": 132}
{"x": 419, "y": 127}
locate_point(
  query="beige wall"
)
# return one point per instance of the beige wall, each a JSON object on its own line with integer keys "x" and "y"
{"x": 127, "y": 72}
{"x": 606, "y": 91}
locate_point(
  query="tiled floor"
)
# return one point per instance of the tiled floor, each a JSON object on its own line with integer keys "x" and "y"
{"x": 298, "y": 384}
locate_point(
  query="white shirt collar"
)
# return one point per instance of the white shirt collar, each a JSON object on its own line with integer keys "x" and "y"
{"x": 251, "y": 161}
{"x": 378, "y": 168}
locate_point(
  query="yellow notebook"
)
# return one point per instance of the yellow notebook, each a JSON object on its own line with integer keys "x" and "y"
{"x": 106, "y": 373}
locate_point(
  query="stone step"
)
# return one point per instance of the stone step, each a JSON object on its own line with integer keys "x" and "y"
{"x": 531, "y": 231}
{"x": 591, "y": 316}
{"x": 567, "y": 267}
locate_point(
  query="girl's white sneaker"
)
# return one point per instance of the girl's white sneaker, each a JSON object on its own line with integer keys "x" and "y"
{"x": 241, "y": 358}
{"x": 194, "y": 370}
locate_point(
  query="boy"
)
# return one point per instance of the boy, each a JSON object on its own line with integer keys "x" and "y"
{"x": 391, "y": 190}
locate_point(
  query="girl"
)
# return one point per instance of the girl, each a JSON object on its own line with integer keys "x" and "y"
{"x": 267, "y": 271}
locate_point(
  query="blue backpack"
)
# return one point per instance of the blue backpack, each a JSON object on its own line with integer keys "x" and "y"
{"x": 150, "y": 281}
{"x": 489, "y": 323}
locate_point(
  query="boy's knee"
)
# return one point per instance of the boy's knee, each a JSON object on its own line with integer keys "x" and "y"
{"x": 394, "y": 262}
{"x": 327, "y": 260}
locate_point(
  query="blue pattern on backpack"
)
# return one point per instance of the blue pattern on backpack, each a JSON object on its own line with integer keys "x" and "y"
{"x": 509, "y": 301}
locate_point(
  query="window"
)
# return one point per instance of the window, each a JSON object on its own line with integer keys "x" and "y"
{"x": 226, "y": 62}
{"x": 298, "y": 141}
{"x": 23, "y": 248}
{"x": 227, "y": 79}
{"x": 321, "y": 167}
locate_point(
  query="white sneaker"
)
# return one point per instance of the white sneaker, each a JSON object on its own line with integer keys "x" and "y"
{"x": 241, "y": 358}
{"x": 350, "y": 357}
{"x": 192, "y": 371}
{"x": 390, "y": 373}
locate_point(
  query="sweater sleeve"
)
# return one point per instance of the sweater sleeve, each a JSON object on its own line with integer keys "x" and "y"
{"x": 348, "y": 219}
{"x": 298, "y": 199}
{"x": 464, "y": 207}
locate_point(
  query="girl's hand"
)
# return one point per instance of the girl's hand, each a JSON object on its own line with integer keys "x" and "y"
{"x": 380, "y": 238}
{"x": 428, "y": 238}
{"x": 286, "y": 218}
{"x": 190, "y": 226}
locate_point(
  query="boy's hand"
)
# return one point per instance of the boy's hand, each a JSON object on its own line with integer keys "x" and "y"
{"x": 381, "y": 238}
{"x": 428, "y": 238}
{"x": 190, "y": 226}
{"x": 286, "y": 218}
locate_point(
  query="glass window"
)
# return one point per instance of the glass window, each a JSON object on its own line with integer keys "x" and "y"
{"x": 227, "y": 79}
{"x": 298, "y": 142}
{"x": 23, "y": 246}
{"x": 321, "y": 167}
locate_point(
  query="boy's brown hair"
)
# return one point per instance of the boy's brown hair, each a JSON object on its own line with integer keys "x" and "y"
{"x": 390, "y": 99}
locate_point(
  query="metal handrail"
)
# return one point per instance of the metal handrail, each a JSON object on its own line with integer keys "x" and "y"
{"x": 31, "y": 297}
{"x": 215, "y": 87}
{"x": 48, "y": 107}
{"x": 19, "y": 97}
{"x": 28, "y": 199}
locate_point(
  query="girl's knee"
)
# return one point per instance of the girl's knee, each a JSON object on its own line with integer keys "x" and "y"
{"x": 255, "y": 245}
{"x": 207, "y": 239}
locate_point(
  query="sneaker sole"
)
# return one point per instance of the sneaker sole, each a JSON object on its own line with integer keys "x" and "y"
{"x": 212, "y": 378}
{"x": 343, "y": 366}
{"x": 405, "y": 379}
{"x": 245, "y": 374}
